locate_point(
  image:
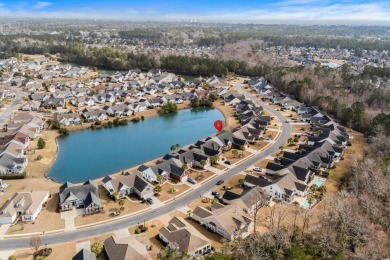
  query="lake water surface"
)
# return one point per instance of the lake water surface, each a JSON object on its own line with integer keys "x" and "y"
{"x": 91, "y": 154}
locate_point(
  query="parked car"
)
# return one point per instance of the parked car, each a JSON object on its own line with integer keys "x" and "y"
{"x": 214, "y": 193}
{"x": 257, "y": 169}
{"x": 149, "y": 201}
{"x": 305, "y": 134}
{"x": 228, "y": 162}
{"x": 220, "y": 182}
{"x": 190, "y": 180}
{"x": 286, "y": 121}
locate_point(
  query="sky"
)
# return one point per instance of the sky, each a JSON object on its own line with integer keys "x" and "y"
{"x": 247, "y": 11}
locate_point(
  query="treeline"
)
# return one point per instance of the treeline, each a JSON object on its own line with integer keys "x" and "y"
{"x": 141, "y": 34}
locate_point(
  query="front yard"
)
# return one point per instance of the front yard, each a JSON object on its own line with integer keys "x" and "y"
{"x": 200, "y": 176}
{"x": 167, "y": 189}
{"x": 47, "y": 220}
{"x": 110, "y": 206}
{"x": 233, "y": 183}
{"x": 236, "y": 158}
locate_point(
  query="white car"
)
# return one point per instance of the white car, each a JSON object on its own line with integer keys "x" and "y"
{"x": 257, "y": 169}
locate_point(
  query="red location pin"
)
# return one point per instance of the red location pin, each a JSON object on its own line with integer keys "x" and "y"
{"x": 218, "y": 125}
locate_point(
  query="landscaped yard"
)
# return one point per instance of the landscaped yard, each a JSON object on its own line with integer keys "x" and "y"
{"x": 62, "y": 251}
{"x": 233, "y": 159}
{"x": 200, "y": 176}
{"x": 110, "y": 206}
{"x": 166, "y": 193}
{"x": 47, "y": 220}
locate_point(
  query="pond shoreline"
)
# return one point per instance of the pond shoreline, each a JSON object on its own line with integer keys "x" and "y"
{"x": 146, "y": 114}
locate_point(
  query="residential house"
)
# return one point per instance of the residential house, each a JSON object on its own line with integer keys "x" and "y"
{"x": 127, "y": 184}
{"x": 26, "y": 205}
{"x": 180, "y": 235}
{"x": 229, "y": 221}
{"x": 84, "y": 254}
{"x": 84, "y": 196}
{"x": 31, "y": 106}
{"x": 127, "y": 248}
{"x": 69, "y": 119}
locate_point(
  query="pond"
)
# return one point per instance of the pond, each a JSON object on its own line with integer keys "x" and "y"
{"x": 91, "y": 154}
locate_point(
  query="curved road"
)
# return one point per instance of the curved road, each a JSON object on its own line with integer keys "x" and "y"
{"x": 79, "y": 234}
{"x": 15, "y": 105}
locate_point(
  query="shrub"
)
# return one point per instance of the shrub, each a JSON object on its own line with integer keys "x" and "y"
{"x": 98, "y": 122}
{"x": 142, "y": 118}
{"x": 12, "y": 257}
{"x": 41, "y": 143}
{"x": 123, "y": 122}
{"x": 121, "y": 202}
{"x": 110, "y": 124}
{"x": 39, "y": 157}
{"x": 12, "y": 176}
{"x": 96, "y": 248}
{"x": 55, "y": 125}
{"x": 349, "y": 143}
{"x": 137, "y": 230}
{"x": 144, "y": 229}
{"x": 63, "y": 131}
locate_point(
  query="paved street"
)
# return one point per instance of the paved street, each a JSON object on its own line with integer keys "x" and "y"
{"x": 84, "y": 233}
{"x": 14, "y": 106}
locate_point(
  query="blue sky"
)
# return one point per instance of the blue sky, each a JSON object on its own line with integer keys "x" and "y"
{"x": 259, "y": 11}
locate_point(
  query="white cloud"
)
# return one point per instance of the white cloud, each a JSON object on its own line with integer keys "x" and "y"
{"x": 41, "y": 5}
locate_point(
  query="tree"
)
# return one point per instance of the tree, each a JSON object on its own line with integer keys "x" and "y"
{"x": 184, "y": 166}
{"x": 234, "y": 152}
{"x": 189, "y": 213}
{"x": 96, "y": 248}
{"x": 241, "y": 182}
{"x": 55, "y": 125}
{"x": 281, "y": 148}
{"x": 242, "y": 149}
{"x": 214, "y": 159}
{"x": 41, "y": 143}
{"x": 159, "y": 179}
{"x": 295, "y": 140}
{"x": 218, "y": 256}
{"x": 203, "y": 163}
{"x": 169, "y": 107}
{"x": 35, "y": 242}
{"x": 290, "y": 140}
{"x": 158, "y": 189}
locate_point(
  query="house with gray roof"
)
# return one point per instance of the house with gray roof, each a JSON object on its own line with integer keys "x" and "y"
{"x": 84, "y": 254}
{"x": 84, "y": 196}
{"x": 127, "y": 184}
{"x": 179, "y": 234}
{"x": 127, "y": 248}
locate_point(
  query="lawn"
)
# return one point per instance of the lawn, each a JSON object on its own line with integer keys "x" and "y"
{"x": 200, "y": 176}
{"x": 201, "y": 202}
{"x": 62, "y": 251}
{"x": 271, "y": 134}
{"x": 259, "y": 145}
{"x": 263, "y": 163}
{"x": 219, "y": 166}
{"x": 110, "y": 206}
{"x": 232, "y": 182}
{"x": 166, "y": 193}
{"x": 233, "y": 159}
{"x": 47, "y": 220}
{"x": 298, "y": 128}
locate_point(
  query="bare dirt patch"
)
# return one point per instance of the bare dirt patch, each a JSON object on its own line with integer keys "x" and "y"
{"x": 200, "y": 176}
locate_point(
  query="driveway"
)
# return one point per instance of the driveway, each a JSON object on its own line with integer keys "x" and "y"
{"x": 69, "y": 217}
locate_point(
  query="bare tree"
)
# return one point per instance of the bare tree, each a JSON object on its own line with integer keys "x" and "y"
{"x": 35, "y": 242}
